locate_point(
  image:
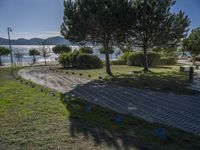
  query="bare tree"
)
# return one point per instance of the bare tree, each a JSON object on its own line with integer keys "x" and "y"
{"x": 19, "y": 56}
{"x": 44, "y": 51}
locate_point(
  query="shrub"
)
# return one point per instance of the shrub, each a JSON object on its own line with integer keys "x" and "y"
{"x": 124, "y": 57}
{"x": 118, "y": 62}
{"x": 197, "y": 58}
{"x": 73, "y": 58}
{"x": 168, "y": 61}
{"x": 110, "y": 51}
{"x": 65, "y": 59}
{"x": 87, "y": 50}
{"x": 59, "y": 49}
{"x": 88, "y": 61}
{"x": 137, "y": 59}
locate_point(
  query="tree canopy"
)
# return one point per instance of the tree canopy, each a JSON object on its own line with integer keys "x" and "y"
{"x": 99, "y": 21}
{"x": 34, "y": 52}
{"x": 59, "y": 49}
{"x": 156, "y": 26}
{"x": 87, "y": 50}
{"x": 146, "y": 24}
{"x": 3, "y": 51}
{"x": 102, "y": 50}
{"x": 192, "y": 43}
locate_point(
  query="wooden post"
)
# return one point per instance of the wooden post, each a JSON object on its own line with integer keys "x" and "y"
{"x": 191, "y": 73}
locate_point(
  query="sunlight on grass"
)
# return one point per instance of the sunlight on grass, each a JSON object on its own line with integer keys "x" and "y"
{"x": 31, "y": 119}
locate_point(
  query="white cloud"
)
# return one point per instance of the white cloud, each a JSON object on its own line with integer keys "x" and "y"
{"x": 29, "y": 35}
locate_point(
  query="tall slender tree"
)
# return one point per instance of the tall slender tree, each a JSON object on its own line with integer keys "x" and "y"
{"x": 98, "y": 21}
{"x": 155, "y": 26}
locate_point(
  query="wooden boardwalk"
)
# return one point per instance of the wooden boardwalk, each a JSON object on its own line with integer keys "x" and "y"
{"x": 195, "y": 85}
{"x": 180, "y": 111}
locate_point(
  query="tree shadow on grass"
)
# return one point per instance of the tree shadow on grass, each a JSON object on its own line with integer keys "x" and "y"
{"x": 170, "y": 82}
{"x": 99, "y": 124}
{"x": 116, "y": 130}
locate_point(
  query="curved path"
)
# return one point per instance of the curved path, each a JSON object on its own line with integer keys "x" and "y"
{"x": 180, "y": 111}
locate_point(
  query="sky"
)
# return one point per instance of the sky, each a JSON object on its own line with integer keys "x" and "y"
{"x": 42, "y": 18}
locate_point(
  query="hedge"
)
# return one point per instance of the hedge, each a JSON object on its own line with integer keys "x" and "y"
{"x": 137, "y": 59}
{"x": 87, "y": 50}
{"x": 118, "y": 62}
{"x": 65, "y": 59}
{"x": 168, "y": 61}
{"x": 86, "y": 61}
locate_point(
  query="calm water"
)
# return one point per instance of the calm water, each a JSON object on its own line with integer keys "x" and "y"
{"x": 51, "y": 56}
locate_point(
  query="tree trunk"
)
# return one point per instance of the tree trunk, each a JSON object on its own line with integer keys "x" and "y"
{"x": 0, "y": 61}
{"x": 45, "y": 60}
{"x": 107, "y": 61}
{"x": 146, "y": 65}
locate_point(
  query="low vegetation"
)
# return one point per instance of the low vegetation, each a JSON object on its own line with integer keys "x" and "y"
{"x": 59, "y": 49}
{"x": 160, "y": 78}
{"x": 81, "y": 59}
{"x": 137, "y": 59}
{"x": 3, "y": 52}
{"x": 31, "y": 119}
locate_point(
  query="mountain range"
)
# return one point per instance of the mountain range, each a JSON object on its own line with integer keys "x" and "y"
{"x": 36, "y": 41}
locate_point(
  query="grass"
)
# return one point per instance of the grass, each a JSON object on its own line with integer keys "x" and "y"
{"x": 116, "y": 70}
{"x": 162, "y": 78}
{"x": 30, "y": 119}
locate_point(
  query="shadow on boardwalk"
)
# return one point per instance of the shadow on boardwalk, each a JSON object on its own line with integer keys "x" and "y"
{"x": 119, "y": 130}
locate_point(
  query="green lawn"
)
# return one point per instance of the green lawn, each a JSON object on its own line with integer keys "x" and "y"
{"x": 161, "y": 78}
{"x": 30, "y": 119}
{"x": 116, "y": 70}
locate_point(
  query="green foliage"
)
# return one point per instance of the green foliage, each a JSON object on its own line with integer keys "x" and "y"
{"x": 118, "y": 62}
{"x": 87, "y": 50}
{"x": 125, "y": 55}
{"x": 86, "y": 61}
{"x": 168, "y": 61}
{"x": 65, "y": 59}
{"x": 80, "y": 60}
{"x": 59, "y": 49}
{"x": 137, "y": 59}
{"x": 68, "y": 59}
{"x": 197, "y": 58}
{"x": 34, "y": 52}
{"x": 73, "y": 58}
{"x": 102, "y": 51}
{"x": 3, "y": 51}
{"x": 192, "y": 43}
{"x": 100, "y": 21}
{"x": 156, "y": 26}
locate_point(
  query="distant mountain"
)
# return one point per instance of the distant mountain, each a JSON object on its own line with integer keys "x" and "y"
{"x": 36, "y": 41}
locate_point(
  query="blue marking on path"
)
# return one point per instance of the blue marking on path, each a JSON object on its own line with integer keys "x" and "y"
{"x": 117, "y": 119}
{"x": 88, "y": 108}
{"x": 160, "y": 133}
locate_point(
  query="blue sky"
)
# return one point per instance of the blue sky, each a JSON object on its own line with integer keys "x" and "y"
{"x": 42, "y": 18}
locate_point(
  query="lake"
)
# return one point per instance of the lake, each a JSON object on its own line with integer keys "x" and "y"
{"x": 51, "y": 56}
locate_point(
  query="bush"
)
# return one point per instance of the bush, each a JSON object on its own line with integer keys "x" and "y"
{"x": 168, "y": 61}
{"x": 118, "y": 62}
{"x": 87, "y": 50}
{"x": 59, "y": 49}
{"x": 86, "y": 61}
{"x": 65, "y": 59}
{"x": 197, "y": 58}
{"x": 137, "y": 59}
{"x": 73, "y": 58}
{"x": 124, "y": 57}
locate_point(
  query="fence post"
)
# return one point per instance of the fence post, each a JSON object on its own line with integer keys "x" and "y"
{"x": 191, "y": 73}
